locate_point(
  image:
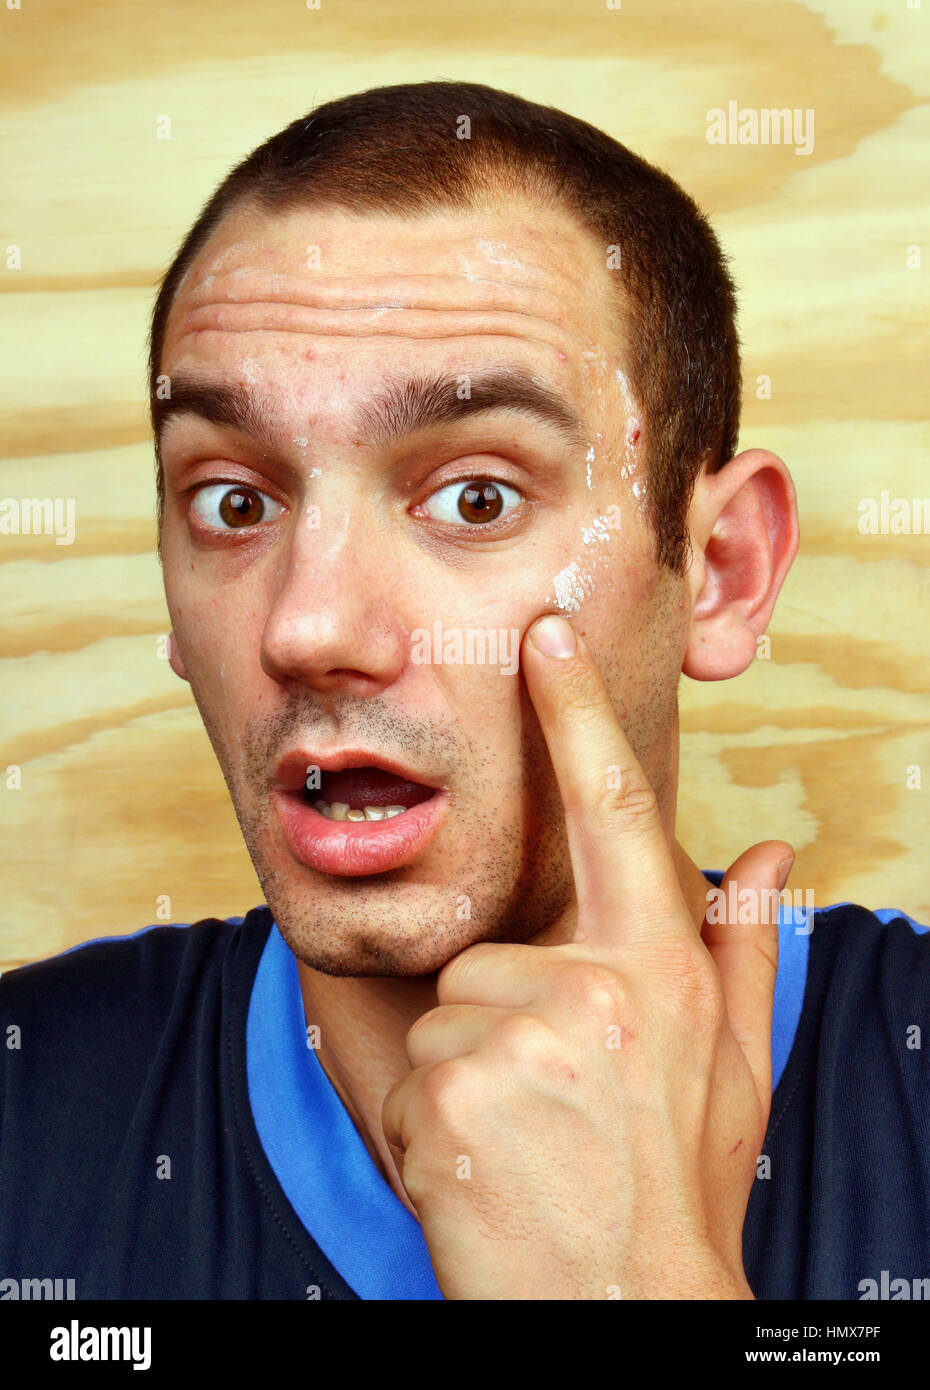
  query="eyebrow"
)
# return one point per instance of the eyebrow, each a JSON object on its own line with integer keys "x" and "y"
{"x": 405, "y": 406}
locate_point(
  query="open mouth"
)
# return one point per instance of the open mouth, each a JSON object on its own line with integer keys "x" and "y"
{"x": 355, "y": 820}
{"x": 365, "y": 794}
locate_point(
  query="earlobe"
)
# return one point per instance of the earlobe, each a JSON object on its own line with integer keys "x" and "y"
{"x": 174, "y": 657}
{"x": 744, "y": 534}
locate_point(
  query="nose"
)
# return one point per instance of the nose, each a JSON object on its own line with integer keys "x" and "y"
{"x": 333, "y": 622}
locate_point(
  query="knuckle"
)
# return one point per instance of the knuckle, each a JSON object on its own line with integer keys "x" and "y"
{"x": 419, "y": 1026}
{"x": 455, "y": 974}
{"x": 523, "y": 1037}
{"x": 442, "y": 1090}
{"x": 632, "y": 802}
{"x": 593, "y": 990}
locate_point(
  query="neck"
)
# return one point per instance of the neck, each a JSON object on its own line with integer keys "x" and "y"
{"x": 364, "y": 1022}
{"x": 363, "y": 1025}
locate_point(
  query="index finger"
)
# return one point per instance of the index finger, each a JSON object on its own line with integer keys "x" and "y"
{"x": 624, "y": 873}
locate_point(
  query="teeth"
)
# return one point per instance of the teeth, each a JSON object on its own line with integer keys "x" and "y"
{"x": 340, "y": 810}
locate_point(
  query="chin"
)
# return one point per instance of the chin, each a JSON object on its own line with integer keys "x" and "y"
{"x": 396, "y": 938}
{"x": 369, "y": 958}
{"x": 395, "y": 924}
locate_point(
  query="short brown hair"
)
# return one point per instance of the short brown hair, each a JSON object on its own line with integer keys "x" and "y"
{"x": 395, "y": 149}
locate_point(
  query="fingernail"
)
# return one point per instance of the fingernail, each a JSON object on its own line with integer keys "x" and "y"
{"x": 554, "y": 636}
{"x": 784, "y": 869}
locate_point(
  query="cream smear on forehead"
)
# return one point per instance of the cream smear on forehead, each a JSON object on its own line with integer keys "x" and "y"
{"x": 497, "y": 254}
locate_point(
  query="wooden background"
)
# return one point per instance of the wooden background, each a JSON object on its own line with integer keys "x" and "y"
{"x": 121, "y": 800}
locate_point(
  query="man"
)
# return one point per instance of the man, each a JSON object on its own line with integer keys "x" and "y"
{"x": 433, "y": 364}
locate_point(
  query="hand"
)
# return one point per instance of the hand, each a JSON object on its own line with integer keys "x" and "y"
{"x": 582, "y": 1120}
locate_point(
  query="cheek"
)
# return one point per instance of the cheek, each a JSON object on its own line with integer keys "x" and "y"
{"x": 218, "y": 641}
{"x": 606, "y": 555}
{"x": 639, "y": 652}
{"x": 592, "y": 570}
{"x": 608, "y": 574}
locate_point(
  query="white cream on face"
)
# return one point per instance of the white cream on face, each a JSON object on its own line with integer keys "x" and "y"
{"x": 494, "y": 255}
{"x": 638, "y": 488}
{"x": 599, "y": 530}
{"x": 576, "y": 582}
{"x": 569, "y": 586}
{"x": 301, "y": 443}
{"x": 625, "y": 392}
{"x": 498, "y": 253}
{"x": 631, "y": 441}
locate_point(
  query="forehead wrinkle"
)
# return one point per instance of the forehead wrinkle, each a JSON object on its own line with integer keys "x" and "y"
{"x": 269, "y": 317}
{"x": 315, "y": 290}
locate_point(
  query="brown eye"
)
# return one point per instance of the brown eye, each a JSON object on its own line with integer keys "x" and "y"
{"x": 481, "y": 502}
{"x": 241, "y": 508}
{"x": 226, "y": 507}
{"x": 473, "y": 500}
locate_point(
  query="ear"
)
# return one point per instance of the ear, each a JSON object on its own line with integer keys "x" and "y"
{"x": 174, "y": 657}
{"x": 744, "y": 535}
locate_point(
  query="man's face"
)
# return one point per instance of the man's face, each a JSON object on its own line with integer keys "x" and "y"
{"x": 323, "y": 570}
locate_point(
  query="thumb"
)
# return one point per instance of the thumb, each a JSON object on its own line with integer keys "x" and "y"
{"x": 741, "y": 933}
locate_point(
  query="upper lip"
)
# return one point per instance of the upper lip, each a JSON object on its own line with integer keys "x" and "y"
{"x": 291, "y": 771}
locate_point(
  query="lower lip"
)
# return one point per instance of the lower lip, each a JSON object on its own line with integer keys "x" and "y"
{"x": 354, "y": 848}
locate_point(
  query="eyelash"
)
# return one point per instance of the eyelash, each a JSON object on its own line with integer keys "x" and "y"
{"x": 224, "y": 486}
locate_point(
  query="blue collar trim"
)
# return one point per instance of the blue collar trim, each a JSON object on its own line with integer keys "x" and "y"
{"x": 317, "y": 1154}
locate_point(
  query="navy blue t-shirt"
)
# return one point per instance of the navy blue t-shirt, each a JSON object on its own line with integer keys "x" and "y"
{"x": 167, "y": 1131}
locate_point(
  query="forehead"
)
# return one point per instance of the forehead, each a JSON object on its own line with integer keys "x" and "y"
{"x": 355, "y": 290}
